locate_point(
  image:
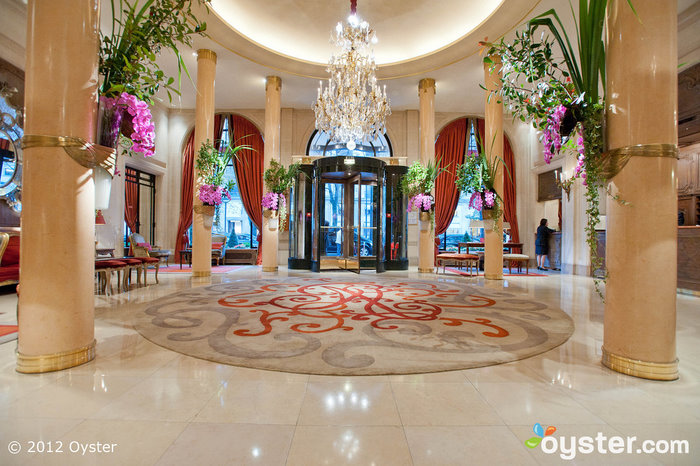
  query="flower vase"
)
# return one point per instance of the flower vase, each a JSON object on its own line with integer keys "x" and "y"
{"x": 272, "y": 219}
{"x": 207, "y": 212}
{"x": 424, "y": 221}
{"x": 109, "y": 118}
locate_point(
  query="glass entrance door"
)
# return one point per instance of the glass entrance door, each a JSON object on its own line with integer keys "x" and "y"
{"x": 348, "y": 214}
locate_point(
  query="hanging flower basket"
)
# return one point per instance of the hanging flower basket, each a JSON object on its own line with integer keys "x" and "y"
{"x": 207, "y": 212}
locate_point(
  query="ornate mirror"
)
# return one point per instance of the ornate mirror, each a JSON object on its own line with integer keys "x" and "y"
{"x": 10, "y": 151}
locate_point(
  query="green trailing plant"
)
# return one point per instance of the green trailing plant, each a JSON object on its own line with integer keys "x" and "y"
{"x": 417, "y": 184}
{"x": 278, "y": 181}
{"x": 477, "y": 175}
{"x": 543, "y": 82}
{"x": 140, "y": 32}
{"x": 211, "y": 162}
{"x": 420, "y": 179}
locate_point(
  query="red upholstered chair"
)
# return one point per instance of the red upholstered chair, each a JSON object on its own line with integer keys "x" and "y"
{"x": 146, "y": 262}
{"x": 9, "y": 259}
{"x": 218, "y": 248}
{"x": 104, "y": 269}
{"x": 132, "y": 263}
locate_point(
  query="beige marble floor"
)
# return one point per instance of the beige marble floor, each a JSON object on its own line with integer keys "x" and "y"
{"x": 161, "y": 407}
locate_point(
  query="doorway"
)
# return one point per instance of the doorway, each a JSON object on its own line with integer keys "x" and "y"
{"x": 346, "y": 213}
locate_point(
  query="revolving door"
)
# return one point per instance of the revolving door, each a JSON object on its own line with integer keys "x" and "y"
{"x": 343, "y": 216}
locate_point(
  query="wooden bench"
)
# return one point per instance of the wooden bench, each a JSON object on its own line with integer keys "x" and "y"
{"x": 241, "y": 256}
{"x": 469, "y": 260}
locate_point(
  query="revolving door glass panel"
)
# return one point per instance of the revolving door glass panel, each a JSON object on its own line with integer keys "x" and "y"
{"x": 348, "y": 209}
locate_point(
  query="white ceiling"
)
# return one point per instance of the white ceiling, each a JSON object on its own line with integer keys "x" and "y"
{"x": 405, "y": 28}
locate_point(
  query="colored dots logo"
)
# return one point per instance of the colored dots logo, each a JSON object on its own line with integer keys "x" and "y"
{"x": 540, "y": 433}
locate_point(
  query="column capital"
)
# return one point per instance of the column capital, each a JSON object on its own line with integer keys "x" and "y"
{"x": 274, "y": 82}
{"x": 426, "y": 84}
{"x": 206, "y": 54}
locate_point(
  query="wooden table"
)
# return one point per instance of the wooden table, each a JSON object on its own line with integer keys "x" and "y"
{"x": 109, "y": 252}
{"x": 508, "y": 246}
{"x": 186, "y": 254}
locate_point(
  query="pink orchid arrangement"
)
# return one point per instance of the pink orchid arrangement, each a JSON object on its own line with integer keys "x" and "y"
{"x": 552, "y": 138}
{"x": 422, "y": 202}
{"x": 213, "y": 195}
{"x": 273, "y": 201}
{"x": 143, "y": 133}
{"x": 489, "y": 199}
{"x": 476, "y": 202}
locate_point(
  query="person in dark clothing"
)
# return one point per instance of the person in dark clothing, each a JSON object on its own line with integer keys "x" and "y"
{"x": 542, "y": 243}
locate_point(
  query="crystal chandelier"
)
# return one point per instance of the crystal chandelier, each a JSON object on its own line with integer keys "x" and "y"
{"x": 352, "y": 107}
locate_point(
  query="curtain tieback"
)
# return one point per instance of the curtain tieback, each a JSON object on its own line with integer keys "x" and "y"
{"x": 86, "y": 153}
{"x": 613, "y": 161}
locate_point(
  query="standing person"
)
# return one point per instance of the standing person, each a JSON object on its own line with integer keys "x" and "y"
{"x": 542, "y": 243}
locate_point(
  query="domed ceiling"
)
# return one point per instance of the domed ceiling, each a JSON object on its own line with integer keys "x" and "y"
{"x": 414, "y": 36}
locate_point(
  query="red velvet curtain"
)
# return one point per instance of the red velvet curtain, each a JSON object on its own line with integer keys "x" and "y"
{"x": 249, "y": 167}
{"x": 186, "y": 194}
{"x": 131, "y": 199}
{"x": 509, "y": 192}
{"x": 449, "y": 151}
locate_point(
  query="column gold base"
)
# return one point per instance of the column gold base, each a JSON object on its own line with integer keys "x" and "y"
{"x": 270, "y": 269}
{"x": 204, "y": 273}
{"x": 55, "y": 362}
{"x": 426, "y": 269}
{"x": 641, "y": 369}
{"x": 493, "y": 276}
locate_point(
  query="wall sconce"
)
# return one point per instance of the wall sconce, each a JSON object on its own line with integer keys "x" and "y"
{"x": 564, "y": 184}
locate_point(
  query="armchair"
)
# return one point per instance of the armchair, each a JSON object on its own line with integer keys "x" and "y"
{"x": 9, "y": 259}
{"x": 141, "y": 248}
{"x": 218, "y": 248}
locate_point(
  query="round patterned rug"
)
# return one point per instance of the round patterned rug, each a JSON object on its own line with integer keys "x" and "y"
{"x": 353, "y": 326}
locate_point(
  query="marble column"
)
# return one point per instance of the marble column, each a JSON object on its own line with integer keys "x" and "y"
{"x": 493, "y": 145}
{"x": 426, "y": 107}
{"x": 203, "y": 130}
{"x": 56, "y": 302}
{"x": 640, "y": 307}
{"x": 273, "y": 112}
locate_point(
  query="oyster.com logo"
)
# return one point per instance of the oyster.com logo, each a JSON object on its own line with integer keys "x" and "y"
{"x": 541, "y": 433}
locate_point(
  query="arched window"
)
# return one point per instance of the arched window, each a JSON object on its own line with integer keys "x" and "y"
{"x": 321, "y": 145}
{"x": 233, "y": 218}
{"x": 461, "y": 228}
{"x": 464, "y": 226}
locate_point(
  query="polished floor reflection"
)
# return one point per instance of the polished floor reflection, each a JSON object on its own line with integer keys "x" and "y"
{"x": 160, "y": 407}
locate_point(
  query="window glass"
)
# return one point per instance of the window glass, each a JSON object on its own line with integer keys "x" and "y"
{"x": 463, "y": 228}
{"x": 320, "y": 145}
{"x": 232, "y": 219}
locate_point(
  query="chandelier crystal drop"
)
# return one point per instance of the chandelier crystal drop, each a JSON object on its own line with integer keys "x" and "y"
{"x": 352, "y": 107}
